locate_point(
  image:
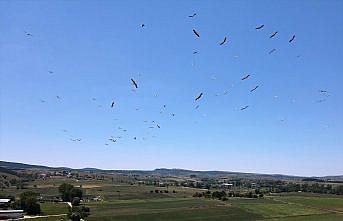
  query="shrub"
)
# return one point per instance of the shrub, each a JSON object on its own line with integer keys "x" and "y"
{"x": 76, "y": 201}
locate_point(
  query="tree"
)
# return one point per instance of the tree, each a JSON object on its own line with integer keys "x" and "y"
{"x": 76, "y": 201}
{"x": 78, "y": 212}
{"x": 28, "y": 202}
{"x": 75, "y": 216}
{"x": 75, "y": 192}
{"x": 64, "y": 189}
{"x": 32, "y": 207}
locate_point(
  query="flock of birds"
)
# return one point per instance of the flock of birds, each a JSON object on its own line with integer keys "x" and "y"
{"x": 113, "y": 139}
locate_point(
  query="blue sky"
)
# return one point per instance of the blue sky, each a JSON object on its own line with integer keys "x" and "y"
{"x": 95, "y": 47}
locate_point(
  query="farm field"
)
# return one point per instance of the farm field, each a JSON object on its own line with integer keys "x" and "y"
{"x": 140, "y": 202}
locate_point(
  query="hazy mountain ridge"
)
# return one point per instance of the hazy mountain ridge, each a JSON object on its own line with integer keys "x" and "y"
{"x": 168, "y": 172}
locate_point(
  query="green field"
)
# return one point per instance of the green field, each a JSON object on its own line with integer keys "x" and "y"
{"x": 137, "y": 202}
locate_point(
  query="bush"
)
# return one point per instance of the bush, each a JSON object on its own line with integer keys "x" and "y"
{"x": 76, "y": 201}
{"x": 196, "y": 194}
{"x": 79, "y": 211}
{"x": 32, "y": 207}
{"x": 75, "y": 216}
{"x": 75, "y": 192}
{"x": 64, "y": 189}
{"x": 28, "y": 203}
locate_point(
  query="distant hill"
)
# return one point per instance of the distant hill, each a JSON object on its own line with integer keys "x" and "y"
{"x": 21, "y": 166}
{"x": 10, "y": 166}
{"x": 8, "y": 171}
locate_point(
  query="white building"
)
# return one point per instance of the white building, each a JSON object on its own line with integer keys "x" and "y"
{"x": 4, "y": 203}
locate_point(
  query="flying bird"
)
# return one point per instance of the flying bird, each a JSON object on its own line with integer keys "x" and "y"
{"x": 290, "y": 40}
{"x": 243, "y": 108}
{"x": 142, "y": 25}
{"x": 259, "y": 27}
{"x": 113, "y": 140}
{"x": 273, "y": 34}
{"x": 254, "y": 88}
{"x": 223, "y": 42}
{"x": 134, "y": 83}
{"x": 51, "y": 72}
{"x": 195, "y": 52}
{"x": 271, "y": 51}
{"x": 323, "y": 91}
{"x": 198, "y": 97}
{"x": 197, "y": 107}
{"x": 196, "y": 33}
{"x": 192, "y": 16}
{"x": 245, "y": 77}
{"x": 112, "y": 105}
{"x": 58, "y": 97}
{"x": 158, "y": 126}
{"x": 28, "y": 34}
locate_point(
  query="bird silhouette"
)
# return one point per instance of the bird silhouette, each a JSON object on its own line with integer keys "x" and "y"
{"x": 243, "y": 108}
{"x": 271, "y": 51}
{"x": 112, "y": 104}
{"x": 254, "y": 88}
{"x": 273, "y": 34}
{"x": 198, "y": 97}
{"x": 290, "y": 40}
{"x": 259, "y": 27}
{"x": 223, "y": 42}
{"x": 28, "y": 34}
{"x": 134, "y": 83}
{"x": 196, "y": 33}
{"x": 192, "y": 16}
{"x": 113, "y": 140}
{"x": 245, "y": 77}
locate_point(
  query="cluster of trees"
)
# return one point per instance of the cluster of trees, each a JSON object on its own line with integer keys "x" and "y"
{"x": 76, "y": 213}
{"x": 69, "y": 192}
{"x": 313, "y": 188}
{"x": 72, "y": 194}
{"x": 161, "y": 191}
{"x": 222, "y": 195}
{"x": 29, "y": 203}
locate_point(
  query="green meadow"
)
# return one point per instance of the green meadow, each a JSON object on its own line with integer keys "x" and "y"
{"x": 140, "y": 203}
